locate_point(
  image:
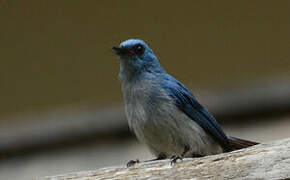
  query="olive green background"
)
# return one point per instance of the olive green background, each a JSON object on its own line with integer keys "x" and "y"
{"x": 58, "y": 53}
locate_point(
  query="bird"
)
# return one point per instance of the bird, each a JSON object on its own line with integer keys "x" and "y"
{"x": 163, "y": 113}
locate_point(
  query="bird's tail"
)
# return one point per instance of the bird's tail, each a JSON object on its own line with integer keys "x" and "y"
{"x": 237, "y": 143}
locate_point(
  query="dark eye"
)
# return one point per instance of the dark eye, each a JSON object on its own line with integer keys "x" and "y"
{"x": 138, "y": 49}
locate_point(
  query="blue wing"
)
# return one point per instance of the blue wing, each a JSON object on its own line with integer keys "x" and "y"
{"x": 187, "y": 103}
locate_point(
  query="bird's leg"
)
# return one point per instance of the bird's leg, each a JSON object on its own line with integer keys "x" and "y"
{"x": 132, "y": 162}
{"x": 175, "y": 158}
{"x": 159, "y": 157}
{"x": 186, "y": 149}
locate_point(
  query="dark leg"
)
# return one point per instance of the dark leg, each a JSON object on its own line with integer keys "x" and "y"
{"x": 133, "y": 162}
{"x": 186, "y": 149}
{"x": 175, "y": 158}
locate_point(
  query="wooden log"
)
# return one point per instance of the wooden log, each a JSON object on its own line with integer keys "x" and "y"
{"x": 265, "y": 161}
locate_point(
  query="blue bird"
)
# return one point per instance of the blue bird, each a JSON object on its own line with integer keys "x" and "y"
{"x": 163, "y": 113}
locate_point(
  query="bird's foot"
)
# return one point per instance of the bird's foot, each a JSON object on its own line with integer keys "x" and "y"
{"x": 174, "y": 159}
{"x": 132, "y": 162}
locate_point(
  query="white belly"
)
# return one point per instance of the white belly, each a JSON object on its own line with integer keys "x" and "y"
{"x": 165, "y": 129}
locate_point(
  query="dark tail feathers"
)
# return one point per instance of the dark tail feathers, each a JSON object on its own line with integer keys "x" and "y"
{"x": 237, "y": 143}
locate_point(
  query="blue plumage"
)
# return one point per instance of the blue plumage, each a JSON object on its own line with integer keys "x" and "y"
{"x": 187, "y": 103}
{"x": 162, "y": 112}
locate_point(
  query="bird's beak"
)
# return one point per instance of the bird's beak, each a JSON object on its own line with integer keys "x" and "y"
{"x": 121, "y": 50}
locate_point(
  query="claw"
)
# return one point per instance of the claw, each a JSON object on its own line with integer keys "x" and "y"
{"x": 132, "y": 162}
{"x": 174, "y": 159}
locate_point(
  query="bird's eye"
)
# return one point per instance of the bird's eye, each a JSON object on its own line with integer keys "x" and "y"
{"x": 138, "y": 49}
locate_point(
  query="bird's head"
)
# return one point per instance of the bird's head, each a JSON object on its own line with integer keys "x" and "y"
{"x": 136, "y": 57}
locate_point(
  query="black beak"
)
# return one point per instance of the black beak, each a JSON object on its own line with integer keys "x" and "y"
{"x": 121, "y": 51}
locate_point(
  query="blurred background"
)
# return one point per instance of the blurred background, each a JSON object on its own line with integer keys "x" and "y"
{"x": 61, "y": 107}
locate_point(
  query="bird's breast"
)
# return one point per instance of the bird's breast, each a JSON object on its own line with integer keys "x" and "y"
{"x": 144, "y": 102}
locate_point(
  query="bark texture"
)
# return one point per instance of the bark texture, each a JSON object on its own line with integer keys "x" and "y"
{"x": 265, "y": 161}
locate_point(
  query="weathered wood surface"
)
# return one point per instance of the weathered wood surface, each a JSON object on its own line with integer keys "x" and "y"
{"x": 266, "y": 161}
